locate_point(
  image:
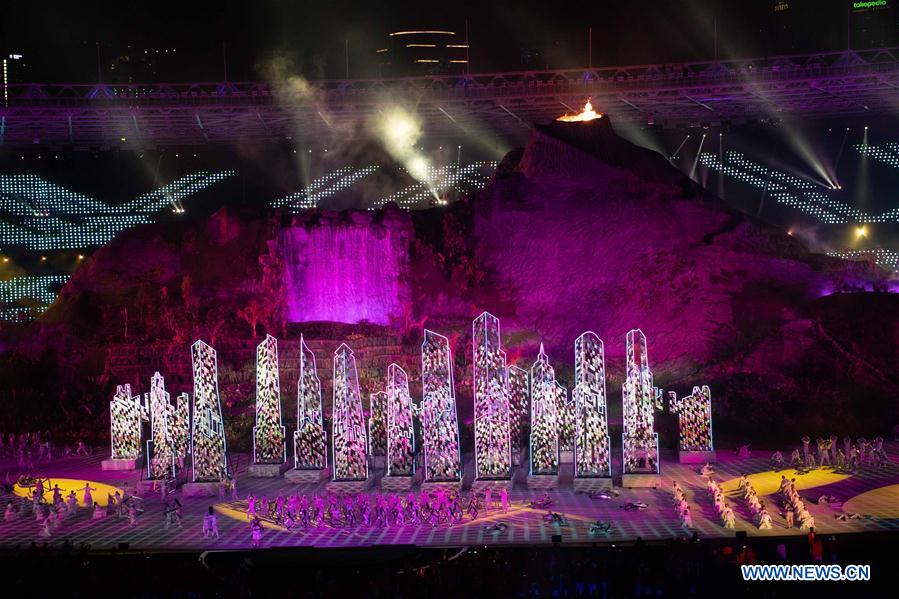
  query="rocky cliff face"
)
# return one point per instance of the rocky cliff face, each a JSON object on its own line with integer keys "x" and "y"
{"x": 584, "y": 231}
{"x": 579, "y": 231}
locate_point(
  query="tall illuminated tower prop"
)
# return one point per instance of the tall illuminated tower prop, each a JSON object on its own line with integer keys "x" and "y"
{"x": 695, "y": 424}
{"x": 439, "y": 420}
{"x": 125, "y": 428}
{"x": 565, "y": 416}
{"x": 640, "y": 442}
{"x": 179, "y": 429}
{"x": 518, "y": 409}
{"x": 592, "y": 447}
{"x": 377, "y": 424}
{"x": 493, "y": 452}
{"x": 348, "y": 436}
{"x": 400, "y": 433}
{"x": 269, "y": 434}
{"x": 310, "y": 446}
{"x": 160, "y": 447}
{"x": 544, "y": 438}
{"x": 209, "y": 451}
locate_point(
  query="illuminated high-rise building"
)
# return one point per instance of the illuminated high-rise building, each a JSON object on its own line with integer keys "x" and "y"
{"x": 209, "y": 451}
{"x": 493, "y": 452}
{"x": 439, "y": 420}
{"x": 269, "y": 445}
{"x": 592, "y": 451}
{"x": 694, "y": 415}
{"x": 160, "y": 447}
{"x": 544, "y": 441}
{"x": 640, "y": 442}
{"x": 400, "y": 433}
{"x": 423, "y": 51}
{"x": 348, "y": 437}
{"x": 518, "y": 409}
{"x": 309, "y": 441}
{"x": 125, "y": 419}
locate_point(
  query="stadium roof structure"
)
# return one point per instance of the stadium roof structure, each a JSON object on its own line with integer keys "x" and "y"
{"x": 136, "y": 116}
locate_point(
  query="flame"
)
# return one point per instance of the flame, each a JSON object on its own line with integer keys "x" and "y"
{"x": 588, "y": 114}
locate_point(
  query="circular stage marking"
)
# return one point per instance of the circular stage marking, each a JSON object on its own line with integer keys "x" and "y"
{"x": 768, "y": 483}
{"x": 236, "y": 510}
{"x": 880, "y": 503}
{"x": 99, "y": 491}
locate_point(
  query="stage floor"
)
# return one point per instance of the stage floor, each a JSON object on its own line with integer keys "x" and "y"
{"x": 872, "y": 491}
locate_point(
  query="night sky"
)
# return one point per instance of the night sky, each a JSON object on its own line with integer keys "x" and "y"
{"x": 60, "y": 43}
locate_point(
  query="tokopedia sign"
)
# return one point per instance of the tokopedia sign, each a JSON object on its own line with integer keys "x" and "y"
{"x": 866, "y": 4}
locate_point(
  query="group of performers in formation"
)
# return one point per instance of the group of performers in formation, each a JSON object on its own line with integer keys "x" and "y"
{"x": 29, "y": 448}
{"x": 681, "y": 506}
{"x": 380, "y": 510}
{"x": 50, "y": 515}
{"x": 440, "y": 507}
{"x": 847, "y": 458}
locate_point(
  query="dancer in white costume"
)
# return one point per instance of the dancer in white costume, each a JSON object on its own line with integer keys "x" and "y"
{"x": 88, "y": 500}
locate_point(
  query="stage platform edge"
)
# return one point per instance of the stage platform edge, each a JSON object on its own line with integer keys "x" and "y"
{"x": 349, "y": 487}
{"x": 266, "y": 470}
{"x": 432, "y": 487}
{"x": 695, "y": 457}
{"x": 639, "y": 481}
{"x": 393, "y": 484}
{"x": 543, "y": 482}
{"x": 479, "y": 486}
{"x": 119, "y": 464}
{"x": 305, "y": 477}
{"x": 200, "y": 489}
{"x": 590, "y": 485}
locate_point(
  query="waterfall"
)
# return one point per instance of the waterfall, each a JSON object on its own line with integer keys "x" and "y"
{"x": 345, "y": 273}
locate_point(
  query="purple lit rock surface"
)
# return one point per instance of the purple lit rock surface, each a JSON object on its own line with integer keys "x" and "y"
{"x": 578, "y": 231}
{"x": 346, "y": 272}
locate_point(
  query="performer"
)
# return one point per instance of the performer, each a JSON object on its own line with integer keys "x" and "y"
{"x": 256, "y": 530}
{"x": 207, "y": 523}
{"x": 777, "y": 461}
{"x": 88, "y": 500}
{"x": 504, "y": 499}
{"x": 805, "y": 451}
{"x": 473, "y": 506}
{"x": 487, "y": 499}
{"x": 10, "y": 514}
{"x": 45, "y": 527}
{"x": 251, "y": 507}
{"x": 213, "y": 524}
{"x": 99, "y": 513}
{"x": 707, "y": 470}
{"x": 789, "y": 515}
{"x": 764, "y": 519}
{"x": 728, "y": 517}
{"x": 840, "y": 460}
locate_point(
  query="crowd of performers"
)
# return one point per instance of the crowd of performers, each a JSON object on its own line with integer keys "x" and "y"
{"x": 29, "y": 448}
{"x": 54, "y": 513}
{"x": 51, "y": 507}
{"x": 351, "y": 510}
{"x": 681, "y": 505}
{"x": 847, "y": 457}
